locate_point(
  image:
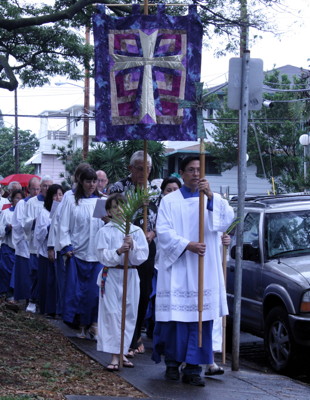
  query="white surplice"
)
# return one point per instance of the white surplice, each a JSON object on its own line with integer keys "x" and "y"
{"x": 6, "y": 219}
{"x": 33, "y": 208}
{"x": 108, "y": 239}
{"x": 41, "y": 232}
{"x": 19, "y": 238}
{"x": 177, "y": 284}
{"x": 78, "y": 228}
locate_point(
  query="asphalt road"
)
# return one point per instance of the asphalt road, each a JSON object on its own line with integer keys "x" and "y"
{"x": 252, "y": 354}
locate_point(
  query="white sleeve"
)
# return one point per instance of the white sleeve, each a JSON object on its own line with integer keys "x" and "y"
{"x": 140, "y": 251}
{"x": 41, "y": 228}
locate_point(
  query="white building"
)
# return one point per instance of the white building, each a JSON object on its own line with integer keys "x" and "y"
{"x": 57, "y": 129}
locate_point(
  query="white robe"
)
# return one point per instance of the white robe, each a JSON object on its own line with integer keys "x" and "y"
{"x": 41, "y": 231}
{"x": 108, "y": 239}
{"x": 53, "y": 237}
{"x": 33, "y": 208}
{"x": 177, "y": 284}
{"x": 78, "y": 228}
{"x": 19, "y": 238}
{"x": 6, "y": 219}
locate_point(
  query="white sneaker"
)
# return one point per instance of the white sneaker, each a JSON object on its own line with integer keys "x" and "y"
{"x": 31, "y": 308}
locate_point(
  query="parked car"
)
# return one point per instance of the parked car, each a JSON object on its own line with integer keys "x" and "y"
{"x": 275, "y": 303}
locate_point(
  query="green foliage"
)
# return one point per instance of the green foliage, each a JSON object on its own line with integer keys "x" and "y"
{"x": 28, "y": 144}
{"x": 111, "y": 157}
{"x": 135, "y": 199}
{"x": 273, "y": 135}
{"x": 45, "y": 40}
{"x": 71, "y": 159}
{"x": 41, "y": 52}
{"x": 108, "y": 157}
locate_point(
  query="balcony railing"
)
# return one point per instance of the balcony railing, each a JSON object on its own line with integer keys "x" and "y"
{"x": 57, "y": 135}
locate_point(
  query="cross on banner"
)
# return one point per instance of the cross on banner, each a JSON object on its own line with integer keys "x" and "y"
{"x": 145, "y": 64}
{"x": 148, "y": 42}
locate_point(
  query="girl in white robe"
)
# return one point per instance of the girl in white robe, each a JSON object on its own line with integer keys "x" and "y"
{"x": 76, "y": 238}
{"x": 111, "y": 245}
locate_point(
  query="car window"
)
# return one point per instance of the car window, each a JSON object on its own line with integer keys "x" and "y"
{"x": 288, "y": 232}
{"x": 251, "y": 229}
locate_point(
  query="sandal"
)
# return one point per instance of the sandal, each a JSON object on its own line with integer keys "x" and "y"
{"x": 127, "y": 364}
{"x": 112, "y": 367}
{"x": 140, "y": 349}
{"x": 130, "y": 354}
{"x": 214, "y": 370}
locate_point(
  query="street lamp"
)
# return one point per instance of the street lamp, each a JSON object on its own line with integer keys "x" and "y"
{"x": 304, "y": 140}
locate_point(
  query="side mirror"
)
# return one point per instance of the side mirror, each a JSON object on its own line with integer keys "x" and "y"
{"x": 250, "y": 253}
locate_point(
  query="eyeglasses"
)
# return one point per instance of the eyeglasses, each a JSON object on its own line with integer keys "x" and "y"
{"x": 140, "y": 168}
{"x": 192, "y": 170}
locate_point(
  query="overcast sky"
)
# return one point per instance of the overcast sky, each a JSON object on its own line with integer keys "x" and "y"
{"x": 292, "y": 49}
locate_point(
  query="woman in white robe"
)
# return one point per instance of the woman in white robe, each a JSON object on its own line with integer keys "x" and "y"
{"x": 47, "y": 288}
{"x": 111, "y": 245}
{"x": 76, "y": 238}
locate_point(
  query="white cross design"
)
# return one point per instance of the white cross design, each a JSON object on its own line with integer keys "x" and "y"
{"x": 147, "y": 61}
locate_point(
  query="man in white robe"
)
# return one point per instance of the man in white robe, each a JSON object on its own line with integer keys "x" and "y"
{"x": 22, "y": 281}
{"x": 33, "y": 207}
{"x": 176, "y": 330}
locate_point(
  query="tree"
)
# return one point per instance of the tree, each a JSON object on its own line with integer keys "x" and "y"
{"x": 108, "y": 157}
{"x": 273, "y": 134}
{"x": 44, "y": 41}
{"x": 71, "y": 159}
{"x": 28, "y": 144}
{"x": 111, "y": 157}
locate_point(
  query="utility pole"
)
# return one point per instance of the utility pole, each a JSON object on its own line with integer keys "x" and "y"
{"x": 16, "y": 144}
{"x": 242, "y": 178}
{"x": 86, "y": 102}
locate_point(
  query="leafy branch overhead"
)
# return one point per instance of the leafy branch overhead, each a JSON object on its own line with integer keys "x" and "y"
{"x": 47, "y": 40}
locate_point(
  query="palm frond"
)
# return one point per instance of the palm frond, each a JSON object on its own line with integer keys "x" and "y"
{"x": 233, "y": 225}
{"x": 135, "y": 200}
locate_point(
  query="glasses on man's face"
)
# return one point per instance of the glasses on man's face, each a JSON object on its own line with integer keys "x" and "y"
{"x": 192, "y": 170}
{"x": 140, "y": 168}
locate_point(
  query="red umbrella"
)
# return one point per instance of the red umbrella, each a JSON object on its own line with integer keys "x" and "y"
{"x": 23, "y": 179}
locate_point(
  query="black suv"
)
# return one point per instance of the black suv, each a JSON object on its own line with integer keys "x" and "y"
{"x": 275, "y": 275}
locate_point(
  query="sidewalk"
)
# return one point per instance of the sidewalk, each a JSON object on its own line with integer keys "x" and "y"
{"x": 246, "y": 384}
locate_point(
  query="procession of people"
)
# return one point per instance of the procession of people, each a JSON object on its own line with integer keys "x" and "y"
{"x": 61, "y": 260}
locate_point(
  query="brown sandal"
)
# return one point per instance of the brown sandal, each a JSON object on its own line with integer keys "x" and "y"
{"x": 113, "y": 367}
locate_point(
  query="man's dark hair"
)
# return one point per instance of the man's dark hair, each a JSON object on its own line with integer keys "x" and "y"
{"x": 187, "y": 160}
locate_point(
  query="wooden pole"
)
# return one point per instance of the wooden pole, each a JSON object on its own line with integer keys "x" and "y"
{"x": 145, "y": 184}
{"x": 224, "y": 263}
{"x": 201, "y": 240}
{"x": 124, "y": 299}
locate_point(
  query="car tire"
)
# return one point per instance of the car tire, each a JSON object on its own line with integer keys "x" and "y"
{"x": 278, "y": 338}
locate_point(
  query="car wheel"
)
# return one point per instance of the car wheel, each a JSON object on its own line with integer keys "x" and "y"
{"x": 279, "y": 344}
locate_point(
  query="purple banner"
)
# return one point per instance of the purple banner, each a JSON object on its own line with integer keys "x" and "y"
{"x": 146, "y": 64}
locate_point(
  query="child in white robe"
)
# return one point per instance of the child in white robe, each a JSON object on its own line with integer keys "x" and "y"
{"x": 111, "y": 246}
